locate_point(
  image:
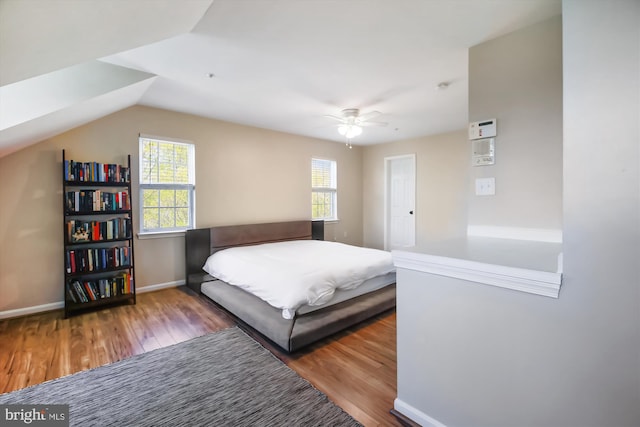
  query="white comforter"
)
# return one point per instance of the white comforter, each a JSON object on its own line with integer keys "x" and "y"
{"x": 288, "y": 275}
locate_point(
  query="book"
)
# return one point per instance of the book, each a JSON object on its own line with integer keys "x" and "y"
{"x": 89, "y": 291}
{"x": 72, "y": 261}
{"x": 80, "y": 291}
{"x": 71, "y": 293}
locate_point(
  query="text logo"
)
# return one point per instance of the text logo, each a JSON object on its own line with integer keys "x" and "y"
{"x": 34, "y": 415}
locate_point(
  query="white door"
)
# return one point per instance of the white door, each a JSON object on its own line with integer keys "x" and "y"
{"x": 400, "y": 201}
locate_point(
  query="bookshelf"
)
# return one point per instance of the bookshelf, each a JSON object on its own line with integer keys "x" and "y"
{"x": 98, "y": 235}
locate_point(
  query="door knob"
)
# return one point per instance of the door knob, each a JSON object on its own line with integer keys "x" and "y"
{"x": 410, "y": 212}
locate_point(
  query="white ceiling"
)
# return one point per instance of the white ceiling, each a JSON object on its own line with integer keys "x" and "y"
{"x": 276, "y": 64}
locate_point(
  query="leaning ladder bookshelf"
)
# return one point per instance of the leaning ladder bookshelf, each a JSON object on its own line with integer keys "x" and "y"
{"x": 98, "y": 236}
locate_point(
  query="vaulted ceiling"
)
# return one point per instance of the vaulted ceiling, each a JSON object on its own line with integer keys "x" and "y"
{"x": 275, "y": 64}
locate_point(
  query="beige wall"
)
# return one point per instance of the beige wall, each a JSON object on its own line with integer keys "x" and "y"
{"x": 517, "y": 79}
{"x": 441, "y": 186}
{"x": 243, "y": 175}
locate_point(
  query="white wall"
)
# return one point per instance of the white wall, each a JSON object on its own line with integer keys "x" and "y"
{"x": 517, "y": 79}
{"x": 602, "y": 207}
{"x": 475, "y": 355}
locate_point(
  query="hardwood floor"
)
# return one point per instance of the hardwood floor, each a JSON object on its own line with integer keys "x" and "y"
{"x": 356, "y": 369}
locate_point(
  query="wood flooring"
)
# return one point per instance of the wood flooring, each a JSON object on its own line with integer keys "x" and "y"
{"x": 356, "y": 369}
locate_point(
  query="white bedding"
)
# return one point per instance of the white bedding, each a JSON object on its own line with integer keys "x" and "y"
{"x": 288, "y": 275}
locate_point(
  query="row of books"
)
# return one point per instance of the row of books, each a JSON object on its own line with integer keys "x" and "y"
{"x": 95, "y": 172}
{"x": 94, "y": 231}
{"x": 97, "y": 201}
{"x": 97, "y": 259}
{"x": 91, "y": 290}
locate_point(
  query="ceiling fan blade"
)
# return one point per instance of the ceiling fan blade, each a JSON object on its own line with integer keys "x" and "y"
{"x": 340, "y": 119}
{"x": 368, "y": 116}
{"x": 373, "y": 124}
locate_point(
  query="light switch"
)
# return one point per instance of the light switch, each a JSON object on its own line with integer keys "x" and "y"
{"x": 485, "y": 186}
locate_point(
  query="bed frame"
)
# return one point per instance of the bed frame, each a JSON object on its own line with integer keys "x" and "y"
{"x": 291, "y": 334}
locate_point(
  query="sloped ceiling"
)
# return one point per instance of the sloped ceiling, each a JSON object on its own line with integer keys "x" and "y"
{"x": 275, "y": 64}
{"x": 50, "y": 79}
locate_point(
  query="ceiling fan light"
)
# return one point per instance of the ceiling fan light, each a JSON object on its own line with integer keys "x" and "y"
{"x": 349, "y": 131}
{"x": 355, "y": 131}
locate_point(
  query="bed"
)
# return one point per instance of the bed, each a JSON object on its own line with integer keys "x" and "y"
{"x": 306, "y": 324}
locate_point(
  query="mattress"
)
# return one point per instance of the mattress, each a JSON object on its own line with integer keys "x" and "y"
{"x": 339, "y": 296}
{"x": 292, "y": 274}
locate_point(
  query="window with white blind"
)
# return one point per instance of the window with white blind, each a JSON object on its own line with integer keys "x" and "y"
{"x": 324, "y": 189}
{"x": 167, "y": 185}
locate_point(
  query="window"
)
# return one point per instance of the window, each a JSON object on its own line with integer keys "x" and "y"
{"x": 167, "y": 185}
{"x": 324, "y": 189}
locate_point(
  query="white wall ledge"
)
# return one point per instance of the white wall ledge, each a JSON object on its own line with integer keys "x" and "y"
{"x": 533, "y": 281}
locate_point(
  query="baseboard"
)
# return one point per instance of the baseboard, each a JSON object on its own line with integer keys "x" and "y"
{"x": 405, "y": 421}
{"x": 19, "y": 312}
{"x": 159, "y": 286}
{"x": 415, "y": 415}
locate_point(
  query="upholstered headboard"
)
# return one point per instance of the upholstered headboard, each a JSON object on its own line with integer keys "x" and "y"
{"x": 202, "y": 242}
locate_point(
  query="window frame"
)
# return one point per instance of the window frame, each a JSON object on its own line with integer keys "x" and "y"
{"x": 332, "y": 190}
{"x": 190, "y": 187}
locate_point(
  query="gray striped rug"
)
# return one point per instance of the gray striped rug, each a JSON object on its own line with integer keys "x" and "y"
{"x": 220, "y": 379}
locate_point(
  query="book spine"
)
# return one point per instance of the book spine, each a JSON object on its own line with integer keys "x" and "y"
{"x": 90, "y": 293}
{"x": 71, "y": 294}
{"x": 80, "y": 291}
{"x": 72, "y": 261}
{"x": 103, "y": 291}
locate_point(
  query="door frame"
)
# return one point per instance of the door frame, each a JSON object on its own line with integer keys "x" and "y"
{"x": 387, "y": 182}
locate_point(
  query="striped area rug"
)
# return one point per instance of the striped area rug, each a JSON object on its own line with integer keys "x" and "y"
{"x": 221, "y": 379}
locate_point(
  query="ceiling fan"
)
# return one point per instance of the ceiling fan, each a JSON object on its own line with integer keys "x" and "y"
{"x": 351, "y": 121}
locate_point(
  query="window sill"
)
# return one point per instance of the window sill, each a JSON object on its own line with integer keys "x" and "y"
{"x": 160, "y": 234}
